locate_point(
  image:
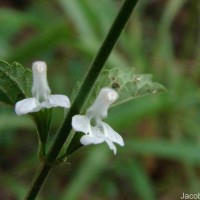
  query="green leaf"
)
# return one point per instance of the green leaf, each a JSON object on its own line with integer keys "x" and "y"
{"x": 15, "y": 82}
{"x": 128, "y": 84}
{"x": 140, "y": 180}
{"x": 180, "y": 151}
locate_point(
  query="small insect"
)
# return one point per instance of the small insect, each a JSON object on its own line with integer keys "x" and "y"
{"x": 115, "y": 85}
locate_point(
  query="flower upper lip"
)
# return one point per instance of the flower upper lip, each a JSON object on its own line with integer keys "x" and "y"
{"x": 41, "y": 92}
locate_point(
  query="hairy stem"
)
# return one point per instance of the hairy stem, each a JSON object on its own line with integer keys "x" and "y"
{"x": 94, "y": 70}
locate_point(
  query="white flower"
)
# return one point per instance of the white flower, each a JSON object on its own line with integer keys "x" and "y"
{"x": 96, "y": 131}
{"x": 41, "y": 93}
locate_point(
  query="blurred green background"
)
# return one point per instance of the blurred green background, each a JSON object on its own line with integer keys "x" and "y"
{"x": 161, "y": 156}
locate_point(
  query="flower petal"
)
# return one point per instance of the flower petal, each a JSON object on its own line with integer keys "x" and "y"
{"x": 111, "y": 145}
{"x": 81, "y": 123}
{"x": 113, "y": 135}
{"x": 25, "y": 106}
{"x": 46, "y": 104}
{"x": 88, "y": 139}
{"x": 59, "y": 100}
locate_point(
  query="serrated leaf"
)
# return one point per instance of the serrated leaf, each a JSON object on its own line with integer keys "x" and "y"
{"x": 128, "y": 84}
{"x": 15, "y": 82}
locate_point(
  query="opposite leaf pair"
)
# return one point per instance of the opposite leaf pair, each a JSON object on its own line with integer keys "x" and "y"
{"x": 91, "y": 123}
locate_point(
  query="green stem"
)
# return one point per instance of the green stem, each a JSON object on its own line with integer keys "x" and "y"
{"x": 94, "y": 70}
{"x": 42, "y": 150}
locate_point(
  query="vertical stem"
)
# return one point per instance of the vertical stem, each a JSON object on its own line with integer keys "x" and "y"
{"x": 94, "y": 70}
